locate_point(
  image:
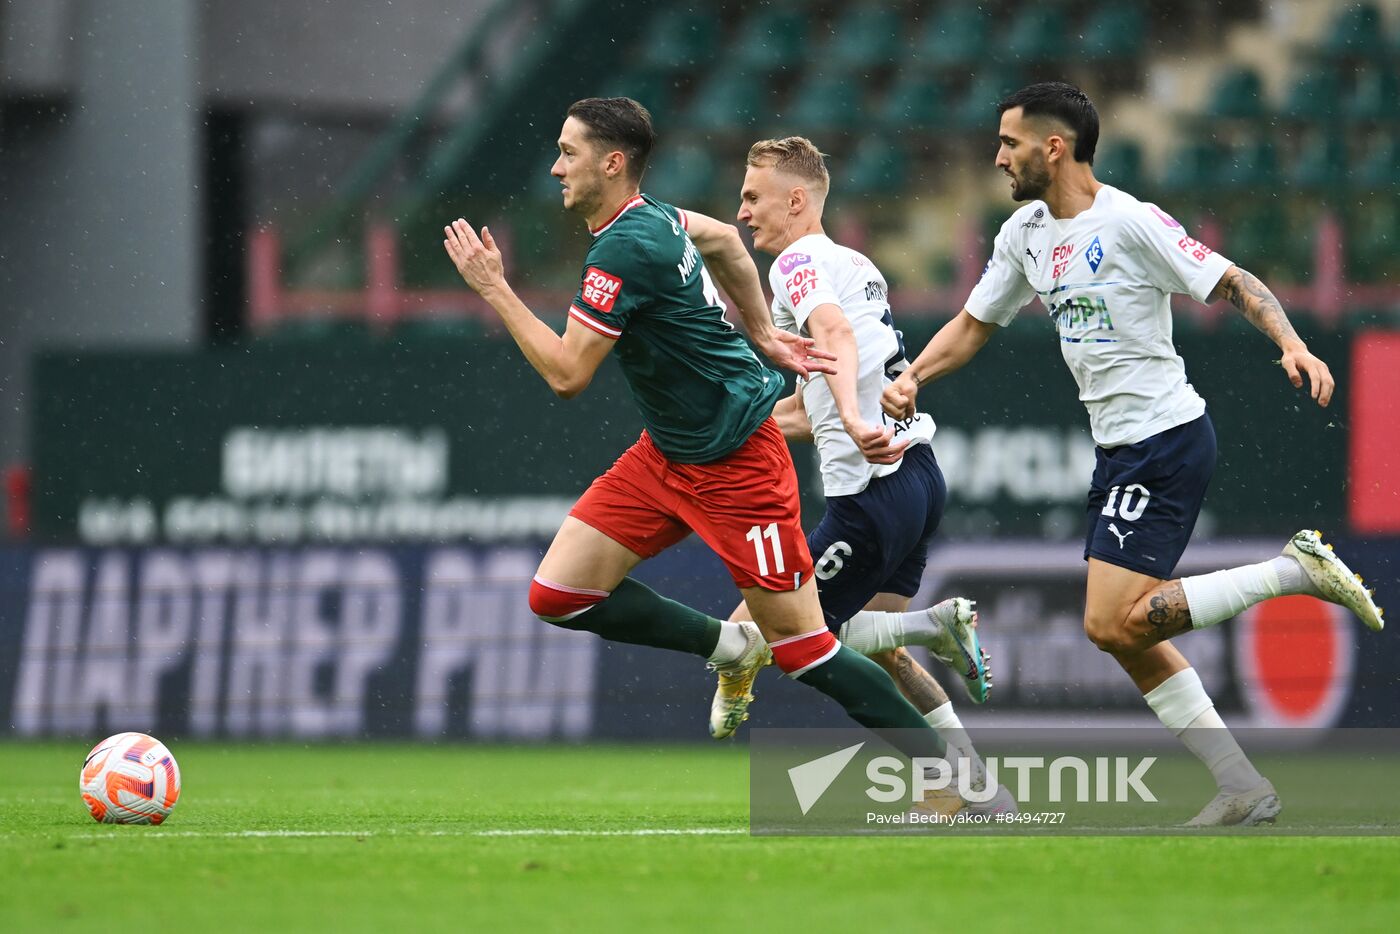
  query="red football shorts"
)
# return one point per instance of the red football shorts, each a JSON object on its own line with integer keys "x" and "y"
{"x": 744, "y": 506}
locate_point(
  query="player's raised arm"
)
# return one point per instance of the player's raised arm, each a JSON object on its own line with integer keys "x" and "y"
{"x": 728, "y": 260}
{"x": 567, "y": 363}
{"x": 955, "y": 343}
{"x": 1261, "y": 308}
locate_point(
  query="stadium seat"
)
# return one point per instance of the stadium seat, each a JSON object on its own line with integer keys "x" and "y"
{"x": 1322, "y": 163}
{"x": 1253, "y": 165}
{"x": 1314, "y": 96}
{"x": 1260, "y": 237}
{"x": 865, "y": 36}
{"x": 977, "y": 110}
{"x": 728, "y": 101}
{"x": 1192, "y": 167}
{"x": 825, "y": 102}
{"x": 1238, "y": 94}
{"x": 1113, "y": 32}
{"x": 772, "y": 40}
{"x": 915, "y": 102}
{"x": 877, "y": 167}
{"x": 1379, "y": 165}
{"x": 1120, "y": 165}
{"x": 682, "y": 39}
{"x": 1376, "y": 96}
{"x": 955, "y": 36}
{"x": 1356, "y": 32}
{"x": 654, "y": 89}
{"x": 1037, "y": 34}
{"x": 682, "y": 174}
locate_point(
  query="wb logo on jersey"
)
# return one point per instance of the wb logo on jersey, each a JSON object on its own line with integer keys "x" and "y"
{"x": 1094, "y": 255}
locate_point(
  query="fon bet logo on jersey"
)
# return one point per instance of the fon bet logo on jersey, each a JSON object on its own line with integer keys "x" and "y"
{"x": 600, "y": 289}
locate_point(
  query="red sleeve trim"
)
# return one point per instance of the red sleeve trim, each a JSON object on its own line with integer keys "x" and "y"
{"x": 582, "y": 317}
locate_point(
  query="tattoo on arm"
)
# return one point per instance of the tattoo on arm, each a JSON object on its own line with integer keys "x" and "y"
{"x": 1168, "y": 613}
{"x": 1261, "y": 308}
{"x": 922, "y": 689}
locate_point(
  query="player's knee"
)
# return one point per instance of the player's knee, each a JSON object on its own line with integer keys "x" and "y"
{"x": 559, "y": 604}
{"x": 1110, "y": 636}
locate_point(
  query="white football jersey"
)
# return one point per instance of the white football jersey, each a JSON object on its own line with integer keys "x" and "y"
{"x": 813, "y": 271}
{"x": 1106, "y": 277}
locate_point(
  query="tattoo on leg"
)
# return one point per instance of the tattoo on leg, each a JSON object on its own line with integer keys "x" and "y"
{"x": 922, "y": 689}
{"x": 1168, "y": 613}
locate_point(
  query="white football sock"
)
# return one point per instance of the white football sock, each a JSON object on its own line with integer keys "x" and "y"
{"x": 950, "y": 729}
{"x": 731, "y": 645}
{"x": 1184, "y": 707}
{"x": 872, "y": 631}
{"x": 1221, "y": 595}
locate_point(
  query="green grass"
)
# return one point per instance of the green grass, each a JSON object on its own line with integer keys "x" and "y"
{"x": 413, "y": 855}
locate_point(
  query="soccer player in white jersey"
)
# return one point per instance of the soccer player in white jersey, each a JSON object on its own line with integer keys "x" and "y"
{"x": 872, "y": 543}
{"x": 1104, "y": 266}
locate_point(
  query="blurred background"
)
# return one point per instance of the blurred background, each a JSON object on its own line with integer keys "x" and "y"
{"x": 270, "y": 470}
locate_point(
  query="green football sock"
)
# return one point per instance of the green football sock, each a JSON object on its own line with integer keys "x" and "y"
{"x": 636, "y": 614}
{"x": 868, "y": 694}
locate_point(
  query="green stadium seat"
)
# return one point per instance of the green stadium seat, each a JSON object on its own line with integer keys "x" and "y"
{"x": 1193, "y": 167}
{"x": 878, "y": 167}
{"x": 772, "y": 39}
{"x": 1376, "y": 96}
{"x": 1253, "y": 165}
{"x": 1372, "y": 239}
{"x": 728, "y": 101}
{"x": 682, "y": 174}
{"x": 978, "y": 108}
{"x": 865, "y": 36}
{"x": 1238, "y": 94}
{"x": 653, "y": 88}
{"x": 1120, "y": 165}
{"x": 1314, "y": 96}
{"x": 1379, "y": 165}
{"x": 1113, "y": 32}
{"x": 1260, "y": 237}
{"x": 1356, "y": 32}
{"x": 681, "y": 39}
{"x": 1322, "y": 162}
{"x": 1037, "y": 34}
{"x": 915, "y": 102}
{"x": 956, "y": 36}
{"x": 825, "y": 102}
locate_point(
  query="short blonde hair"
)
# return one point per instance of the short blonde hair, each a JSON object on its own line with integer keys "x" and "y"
{"x": 796, "y": 155}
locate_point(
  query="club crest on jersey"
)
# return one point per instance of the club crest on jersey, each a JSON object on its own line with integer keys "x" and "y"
{"x": 1164, "y": 217}
{"x": 1094, "y": 255}
{"x": 791, "y": 261}
{"x": 600, "y": 290}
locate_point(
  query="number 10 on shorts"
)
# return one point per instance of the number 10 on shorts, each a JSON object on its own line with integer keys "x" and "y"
{"x": 756, "y": 535}
{"x": 1134, "y": 504}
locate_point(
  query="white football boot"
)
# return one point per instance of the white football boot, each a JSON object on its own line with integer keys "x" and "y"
{"x": 1334, "y": 581}
{"x": 734, "y": 693}
{"x": 958, "y": 647}
{"x": 1258, "y": 805}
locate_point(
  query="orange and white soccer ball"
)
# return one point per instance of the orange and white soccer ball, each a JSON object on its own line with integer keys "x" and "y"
{"x": 130, "y": 778}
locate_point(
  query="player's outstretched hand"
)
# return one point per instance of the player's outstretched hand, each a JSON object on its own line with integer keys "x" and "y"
{"x": 898, "y": 400}
{"x": 799, "y": 354}
{"x": 878, "y": 444}
{"x": 478, "y": 259}
{"x": 1297, "y": 362}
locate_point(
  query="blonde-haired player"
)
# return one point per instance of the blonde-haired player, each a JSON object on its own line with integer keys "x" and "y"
{"x": 871, "y": 545}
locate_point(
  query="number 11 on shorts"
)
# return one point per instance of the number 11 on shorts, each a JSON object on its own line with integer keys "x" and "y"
{"x": 756, "y": 535}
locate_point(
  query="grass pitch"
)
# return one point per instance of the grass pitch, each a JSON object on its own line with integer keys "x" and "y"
{"x": 411, "y": 838}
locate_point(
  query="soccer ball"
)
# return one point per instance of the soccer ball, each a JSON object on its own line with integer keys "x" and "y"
{"x": 130, "y": 778}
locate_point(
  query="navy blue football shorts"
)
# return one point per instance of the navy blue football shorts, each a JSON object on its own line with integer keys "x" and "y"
{"x": 876, "y": 541}
{"x": 1145, "y": 498}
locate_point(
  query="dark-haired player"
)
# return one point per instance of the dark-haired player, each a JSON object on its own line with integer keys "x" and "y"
{"x": 711, "y": 459}
{"x": 1104, "y": 266}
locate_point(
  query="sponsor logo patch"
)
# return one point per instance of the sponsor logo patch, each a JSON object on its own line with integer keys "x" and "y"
{"x": 600, "y": 289}
{"x": 791, "y": 261}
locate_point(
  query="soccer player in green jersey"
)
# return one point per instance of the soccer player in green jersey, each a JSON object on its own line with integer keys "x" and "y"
{"x": 711, "y": 459}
